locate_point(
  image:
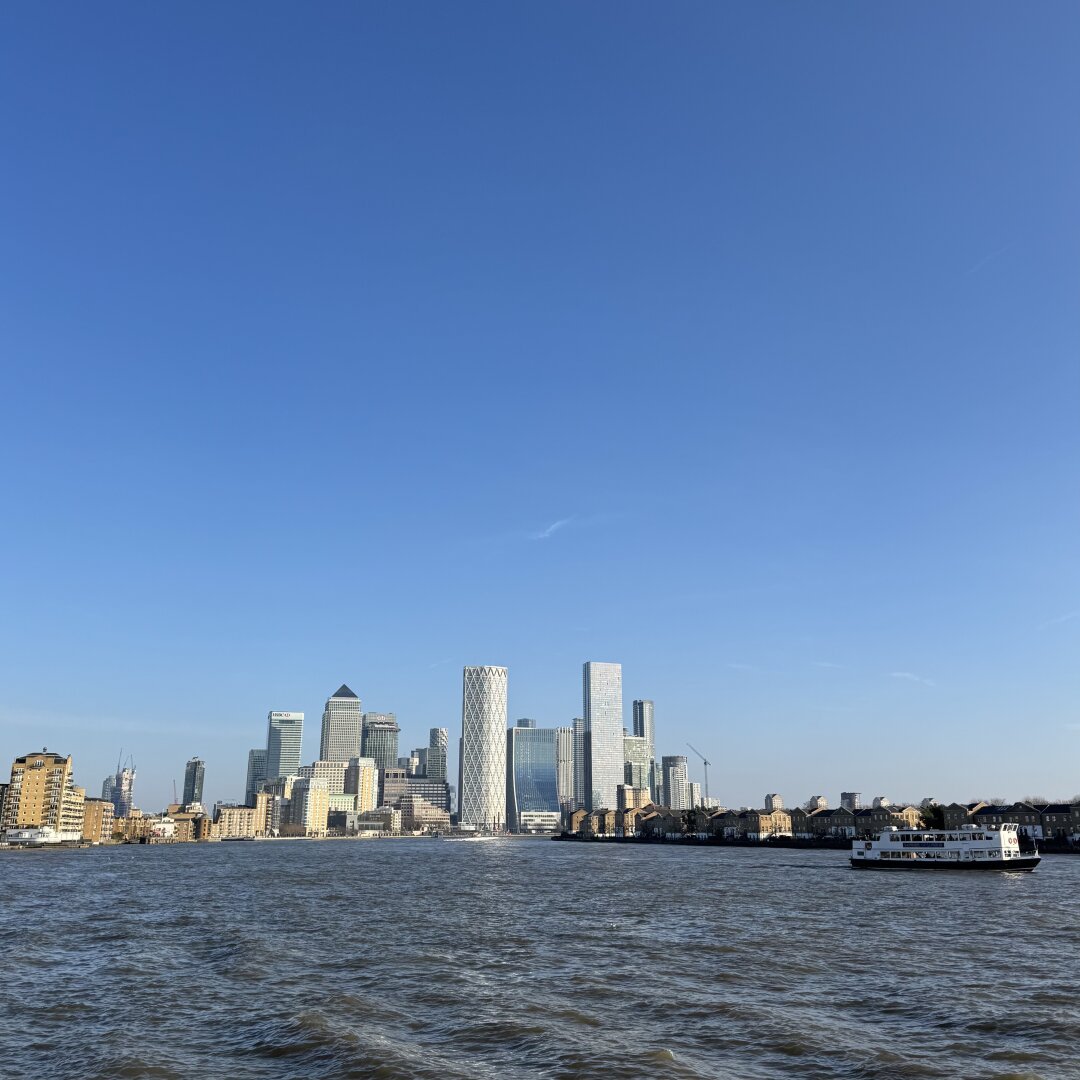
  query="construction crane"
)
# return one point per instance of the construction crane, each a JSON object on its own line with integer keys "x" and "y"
{"x": 706, "y": 763}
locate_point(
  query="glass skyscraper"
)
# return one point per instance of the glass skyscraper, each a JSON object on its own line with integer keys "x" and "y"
{"x": 284, "y": 738}
{"x": 194, "y": 774}
{"x": 636, "y": 762}
{"x": 564, "y": 767}
{"x": 482, "y": 798}
{"x": 380, "y": 739}
{"x": 532, "y": 778}
{"x": 645, "y": 728}
{"x": 256, "y": 774}
{"x": 603, "y": 715}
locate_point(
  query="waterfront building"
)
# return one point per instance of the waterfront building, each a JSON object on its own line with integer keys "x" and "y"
{"x": 382, "y": 821}
{"x": 119, "y": 789}
{"x": 880, "y": 802}
{"x": 532, "y": 778}
{"x": 98, "y": 820}
{"x": 851, "y": 800}
{"x": 342, "y": 726}
{"x": 483, "y": 757}
{"x": 603, "y": 716}
{"x": 309, "y": 806}
{"x": 637, "y": 761}
{"x": 331, "y": 772}
{"x": 645, "y": 728}
{"x": 256, "y": 774}
{"x": 676, "y": 782}
{"x": 564, "y": 767}
{"x": 362, "y": 780}
{"x": 397, "y": 783}
{"x": 194, "y": 774}
{"x": 380, "y": 740}
{"x": 284, "y": 740}
{"x": 581, "y": 756}
{"x": 233, "y": 822}
{"x": 42, "y": 803}
{"x": 418, "y": 815}
{"x": 773, "y": 802}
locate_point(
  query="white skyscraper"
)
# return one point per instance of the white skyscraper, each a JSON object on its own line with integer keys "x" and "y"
{"x": 602, "y": 703}
{"x": 564, "y": 764}
{"x": 284, "y": 738}
{"x": 342, "y": 726}
{"x": 645, "y": 728}
{"x": 482, "y": 799}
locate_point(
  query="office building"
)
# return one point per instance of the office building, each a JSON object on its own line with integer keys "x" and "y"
{"x": 645, "y": 728}
{"x": 256, "y": 774}
{"x": 362, "y": 780}
{"x": 676, "y": 781}
{"x": 564, "y": 767}
{"x": 342, "y": 726}
{"x": 331, "y": 773}
{"x": 532, "y": 776}
{"x": 482, "y": 796}
{"x": 119, "y": 789}
{"x": 42, "y": 803}
{"x": 194, "y": 774}
{"x": 581, "y": 763}
{"x": 284, "y": 741}
{"x": 380, "y": 741}
{"x": 637, "y": 762}
{"x": 603, "y": 716}
{"x": 773, "y": 802}
{"x": 396, "y": 783}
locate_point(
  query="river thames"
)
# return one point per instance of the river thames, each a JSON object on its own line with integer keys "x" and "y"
{"x": 436, "y": 959}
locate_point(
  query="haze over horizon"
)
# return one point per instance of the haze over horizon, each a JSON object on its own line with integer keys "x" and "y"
{"x": 360, "y": 343}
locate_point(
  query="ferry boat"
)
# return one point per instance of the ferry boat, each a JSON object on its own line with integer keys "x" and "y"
{"x": 971, "y": 847}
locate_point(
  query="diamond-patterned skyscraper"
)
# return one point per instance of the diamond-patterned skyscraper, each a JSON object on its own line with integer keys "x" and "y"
{"x": 482, "y": 799}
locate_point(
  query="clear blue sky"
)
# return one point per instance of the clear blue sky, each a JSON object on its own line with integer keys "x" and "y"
{"x": 315, "y": 320}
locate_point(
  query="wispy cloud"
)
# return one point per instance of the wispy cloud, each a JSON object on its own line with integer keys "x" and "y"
{"x": 910, "y": 676}
{"x": 551, "y": 530}
{"x": 826, "y": 664}
{"x": 988, "y": 258}
{"x": 1067, "y": 617}
{"x": 742, "y": 667}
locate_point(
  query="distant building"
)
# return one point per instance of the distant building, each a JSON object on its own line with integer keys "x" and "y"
{"x": 42, "y": 803}
{"x": 532, "y": 776}
{"x": 332, "y": 773}
{"x": 695, "y": 794}
{"x": 256, "y": 774}
{"x": 773, "y": 802}
{"x": 194, "y": 774}
{"x": 395, "y": 784}
{"x": 629, "y": 797}
{"x": 881, "y": 802}
{"x": 418, "y": 815}
{"x": 564, "y": 767}
{"x": 284, "y": 739}
{"x": 236, "y": 822}
{"x": 851, "y": 800}
{"x": 433, "y": 759}
{"x": 676, "y": 782}
{"x": 603, "y": 716}
{"x": 483, "y": 757}
{"x": 380, "y": 740}
{"x": 119, "y": 789}
{"x": 637, "y": 761}
{"x": 645, "y": 728}
{"x": 362, "y": 780}
{"x": 342, "y": 726}
{"x": 581, "y": 763}
{"x": 817, "y": 802}
{"x": 98, "y": 819}
{"x": 309, "y": 806}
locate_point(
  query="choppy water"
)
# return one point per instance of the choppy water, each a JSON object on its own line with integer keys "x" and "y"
{"x": 420, "y": 958}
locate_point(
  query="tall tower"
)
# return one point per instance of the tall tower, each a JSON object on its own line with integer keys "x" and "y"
{"x": 342, "y": 726}
{"x": 284, "y": 738}
{"x": 256, "y": 774}
{"x": 482, "y": 799}
{"x": 603, "y": 715}
{"x": 645, "y": 728}
{"x": 380, "y": 740}
{"x": 564, "y": 766}
{"x": 194, "y": 774}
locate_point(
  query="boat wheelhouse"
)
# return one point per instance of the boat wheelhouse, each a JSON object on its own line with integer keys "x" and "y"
{"x": 971, "y": 847}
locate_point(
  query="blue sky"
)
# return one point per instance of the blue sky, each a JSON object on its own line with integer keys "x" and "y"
{"x": 361, "y": 342}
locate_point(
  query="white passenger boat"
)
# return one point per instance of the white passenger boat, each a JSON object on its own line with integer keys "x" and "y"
{"x": 971, "y": 847}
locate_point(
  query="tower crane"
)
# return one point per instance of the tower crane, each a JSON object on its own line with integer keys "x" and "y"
{"x": 706, "y": 762}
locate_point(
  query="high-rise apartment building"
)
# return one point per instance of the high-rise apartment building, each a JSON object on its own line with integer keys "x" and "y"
{"x": 564, "y": 767}
{"x": 194, "y": 774}
{"x": 851, "y": 800}
{"x": 284, "y": 741}
{"x": 645, "y": 728}
{"x": 362, "y": 780}
{"x": 482, "y": 799}
{"x": 331, "y": 773}
{"x": 532, "y": 776}
{"x": 309, "y": 807}
{"x": 98, "y": 818}
{"x": 580, "y": 734}
{"x": 603, "y": 715}
{"x": 119, "y": 789}
{"x": 676, "y": 782}
{"x": 433, "y": 758}
{"x": 42, "y": 796}
{"x": 773, "y": 802}
{"x": 636, "y": 761}
{"x": 380, "y": 739}
{"x": 256, "y": 774}
{"x": 342, "y": 726}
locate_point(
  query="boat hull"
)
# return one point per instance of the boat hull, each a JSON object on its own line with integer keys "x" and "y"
{"x": 1022, "y": 865}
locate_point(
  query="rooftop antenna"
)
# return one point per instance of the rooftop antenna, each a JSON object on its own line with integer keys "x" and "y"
{"x": 707, "y": 764}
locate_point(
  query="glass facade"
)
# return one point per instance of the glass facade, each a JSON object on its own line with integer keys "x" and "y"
{"x": 284, "y": 736}
{"x": 380, "y": 740}
{"x": 533, "y": 773}
{"x": 342, "y": 726}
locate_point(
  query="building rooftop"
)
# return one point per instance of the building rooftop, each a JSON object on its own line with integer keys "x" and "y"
{"x": 343, "y": 691}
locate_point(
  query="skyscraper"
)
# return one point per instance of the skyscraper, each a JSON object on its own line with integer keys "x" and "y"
{"x": 532, "y": 777}
{"x": 581, "y": 764}
{"x": 645, "y": 728}
{"x": 256, "y": 774}
{"x": 676, "y": 782}
{"x": 433, "y": 760}
{"x": 284, "y": 738}
{"x": 42, "y": 795}
{"x": 482, "y": 799}
{"x": 603, "y": 715}
{"x": 564, "y": 767}
{"x": 194, "y": 773}
{"x": 342, "y": 726}
{"x": 119, "y": 789}
{"x": 380, "y": 739}
{"x": 637, "y": 764}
